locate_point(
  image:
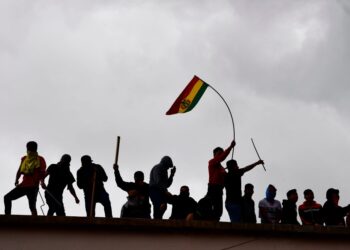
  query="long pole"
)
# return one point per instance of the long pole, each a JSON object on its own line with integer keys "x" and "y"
{"x": 229, "y": 110}
{"x": 257, "y": 153}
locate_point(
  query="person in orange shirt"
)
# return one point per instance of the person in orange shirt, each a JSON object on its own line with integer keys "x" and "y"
{"x": 32, "y": 168}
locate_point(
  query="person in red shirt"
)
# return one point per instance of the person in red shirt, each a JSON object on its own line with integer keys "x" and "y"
{"x": 217, "y": 175}
{"x": 32, "y": 168}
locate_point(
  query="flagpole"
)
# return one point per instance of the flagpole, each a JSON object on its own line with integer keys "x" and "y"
{"x": 229, "y": 110}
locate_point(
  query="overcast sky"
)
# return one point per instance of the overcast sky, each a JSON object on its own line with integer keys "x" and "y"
{"x": 76, "y": 74}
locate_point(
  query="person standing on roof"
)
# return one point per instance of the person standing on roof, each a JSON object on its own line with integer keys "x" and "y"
{"x": 310, "y": 210}
{"x": 159, "y": 184}
{"x": 233, "y": 186}
{"x": 60, "y": 178}
{"x": 216, "y": 182}
{"x": 32, "y": 169}
{"x": 90, "y": 178}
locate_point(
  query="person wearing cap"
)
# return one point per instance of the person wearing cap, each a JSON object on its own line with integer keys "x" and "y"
{"x": 216, "y": 181}
{"x": 138, "y": 205}
{"x": 270, "y": 209}
{"x": 32, "y": 169}
{"x": 289, "y": 210}
{"x": 90, "y": 178}
{"x": 159, "y": 183}
{"x": 333, "y": 214}
{"x": 233, "y": 186}
{"x": 60, "y": 178}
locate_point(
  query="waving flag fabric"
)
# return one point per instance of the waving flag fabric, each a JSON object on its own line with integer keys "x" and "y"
{"x": 189, "y": 97}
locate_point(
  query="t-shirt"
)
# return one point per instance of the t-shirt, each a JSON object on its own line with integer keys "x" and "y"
{"x": 32, "y": 180}
{"x": 182, "y": 207}
{"x": 60, "y": 177}
{"x": 233, "y": 185}
{"x": 273, "y": 211}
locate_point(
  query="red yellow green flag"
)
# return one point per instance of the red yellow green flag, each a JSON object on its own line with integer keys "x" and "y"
{"x": 189, "y": 97}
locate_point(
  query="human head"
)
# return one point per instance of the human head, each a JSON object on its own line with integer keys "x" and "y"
{"x": 139, "y": 177}
{"x": 248, "y": 190}
{"x": 86, "y": 160}
{"x": 231, "y": 165}
{"x": 309, "y": 195}
{"x": 65, "y": 159}
{"x": 217, "y": 150}
{"x": 271, "y": 192}
{"x": 332, "y": 195}
{"x": 184, "y": 191}
{"x": 166, "y": 162}
{"x": 32, "y": 146}
{"x": 292, "y": 195}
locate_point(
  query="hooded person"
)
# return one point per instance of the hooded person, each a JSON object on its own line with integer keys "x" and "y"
{"x": 159, "y": 183}
{"x": 270, "y": 209}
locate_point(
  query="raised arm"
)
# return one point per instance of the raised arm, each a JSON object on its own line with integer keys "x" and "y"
{"x": 222, "y": 156}
{"x": 171, "y": 177}
{"x": 119, "y": 180}
{"x": 251, "y": 166}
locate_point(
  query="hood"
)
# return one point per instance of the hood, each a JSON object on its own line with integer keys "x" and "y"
{"x": 166, "y": 162}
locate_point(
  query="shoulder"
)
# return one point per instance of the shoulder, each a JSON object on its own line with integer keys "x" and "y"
{"x": 262, "y": 203}
{"x": 277, "y": 203}
{"x": 41, "y": 158}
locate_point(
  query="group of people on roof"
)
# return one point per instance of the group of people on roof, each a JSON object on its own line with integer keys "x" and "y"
{"x": 241, "y": 208}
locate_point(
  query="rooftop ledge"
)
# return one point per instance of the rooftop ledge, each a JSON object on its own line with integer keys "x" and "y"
{"x": 168, "y": 226}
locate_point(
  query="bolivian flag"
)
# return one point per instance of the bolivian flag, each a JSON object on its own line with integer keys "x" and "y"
{"x": 189, "y": 97}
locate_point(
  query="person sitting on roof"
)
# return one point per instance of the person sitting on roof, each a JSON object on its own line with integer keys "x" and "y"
{"x": 138, "y": 205}
{"x": 184, "y": 206}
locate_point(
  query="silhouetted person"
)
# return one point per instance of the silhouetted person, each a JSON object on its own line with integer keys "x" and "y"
{"x": 32, "y": 168}
{"x": 159, "y": 183}
{"x": 90, "y": 178}
{"x": 270, "y": 209}
{"x": 334, "y": 214}
{"x": 60, "y": 178}
{"x": 310, "y": 210}
{"x": 184, "y": 206}
{"x": 248, "y": 205}
{"x": 348, "y": 220}
{"x": 205, "y": 209}
{"x": 233, "y": 186}
{"x": 217, "y": 175}
{"x": 289, "y": 209}
{"x": 138, "y": 205}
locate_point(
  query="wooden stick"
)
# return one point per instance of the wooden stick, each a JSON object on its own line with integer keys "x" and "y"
{"x": 257, "y": 153}
{"x": 92, "y": 205}
{"x": 117, "y": 151}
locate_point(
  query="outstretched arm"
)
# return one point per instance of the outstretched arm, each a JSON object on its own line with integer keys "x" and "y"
{"x": 250, "y": 167}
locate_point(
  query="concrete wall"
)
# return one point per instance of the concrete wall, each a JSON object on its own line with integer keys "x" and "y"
{"x": 27, "y": 232}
